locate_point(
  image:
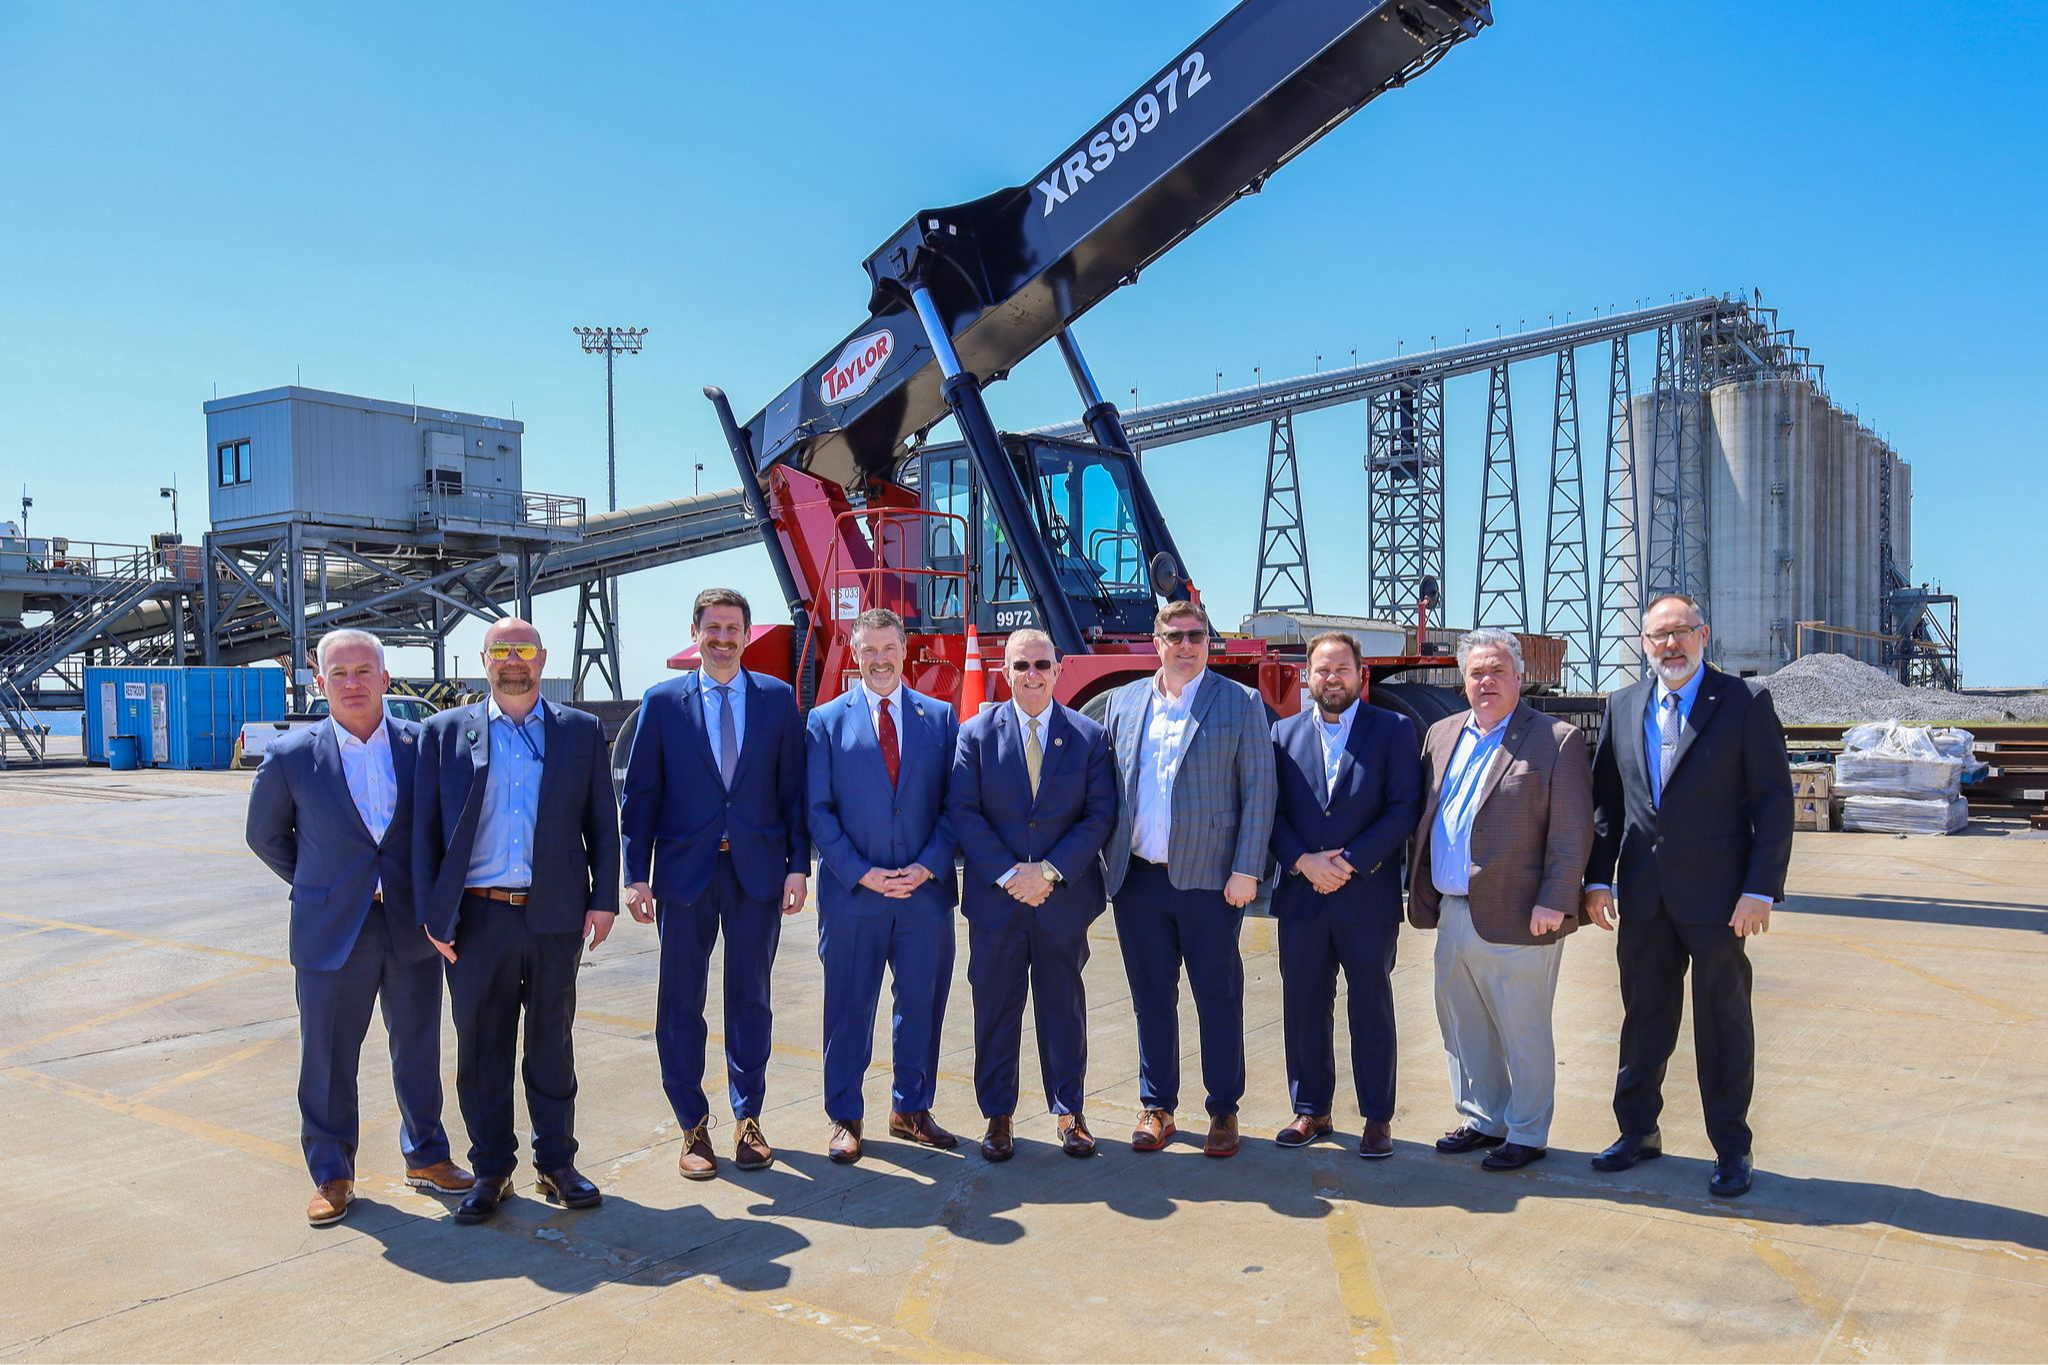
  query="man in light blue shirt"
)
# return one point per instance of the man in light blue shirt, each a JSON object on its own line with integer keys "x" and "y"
{"x": 503, "y": 854}
{"x": 1450, "y": 851}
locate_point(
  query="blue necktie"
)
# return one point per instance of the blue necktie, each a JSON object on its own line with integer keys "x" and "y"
{"x": 1667, "y": 744}
{"x": 728, "y": 736}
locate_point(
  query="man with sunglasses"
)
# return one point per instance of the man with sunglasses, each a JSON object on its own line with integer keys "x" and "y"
{"x": 1692, "y": 824}
{"x": 1033, "y": 798}
{"x": 1195, "y": 769}
{"x": 713, "y": 821}
{"x": 515, "y": 864}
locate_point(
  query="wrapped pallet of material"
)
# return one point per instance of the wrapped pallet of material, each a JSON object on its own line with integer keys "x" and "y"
{"x": 1905, "y": 814}
{"x": 1911, "y": 762}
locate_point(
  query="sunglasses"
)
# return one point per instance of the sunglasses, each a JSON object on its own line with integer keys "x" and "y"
{"x": 1191, "y": 637}
{"x": 1026, "y": 665}
{"x": 502, "y": 651}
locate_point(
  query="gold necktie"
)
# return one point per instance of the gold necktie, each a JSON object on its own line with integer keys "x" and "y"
{"x": 1033, "y": 754}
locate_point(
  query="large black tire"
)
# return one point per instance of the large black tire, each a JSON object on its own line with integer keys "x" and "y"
{"x": 1423, "y": 704}
{"x": 622, "y": 749}
{"x": 1096, "y": 708}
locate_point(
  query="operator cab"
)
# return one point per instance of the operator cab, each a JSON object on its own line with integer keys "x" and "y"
{"x": 1084, "y": 510}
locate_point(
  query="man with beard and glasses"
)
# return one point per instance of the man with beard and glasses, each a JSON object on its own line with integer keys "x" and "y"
{"x": 1350, "y": 791}
{"x": 1693, "y": 828}
{"x": 1033, "y": 797}
{"x": 515, "y": 864}
{"x": 713, "y": 822}
{"x": 878, "y": 760}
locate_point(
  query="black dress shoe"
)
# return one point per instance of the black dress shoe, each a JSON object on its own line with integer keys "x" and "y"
{"x": 568, "y": 1188}
{"x": 1513, "y": 1156}
{"x": 480, "y": 1205}
{"x": 1466, "y": 1139}
{"x": 1732, "y": 1177}
{"x": 1628, "y": 1149}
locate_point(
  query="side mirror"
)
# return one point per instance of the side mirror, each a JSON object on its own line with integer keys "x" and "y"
{"x": 1164, "y": 572}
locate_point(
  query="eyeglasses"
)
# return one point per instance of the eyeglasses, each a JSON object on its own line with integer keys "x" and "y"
{"x": 502, "y": 651}
{"x": 1026, "y": 665}
{"x": 1190, "y": 637}
{"x": 1678, "y": 633}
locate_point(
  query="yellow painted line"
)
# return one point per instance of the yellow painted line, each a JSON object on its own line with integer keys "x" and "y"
{"x": 212, "y": 1068}
{"x": 716, "y": 1041}
{"x": 27, "y": 933}
{"x": 128, "y": 843}
{"x": 2016, "y": 1015}
{"x": 177, "y": 945}
{"x": 1825, "y": 1307}
{"x": 1358, "y": 1277}
{"x": 69, "y": 966}
{"x": 221, "y": 1136}
{"x": 924, "y": 1289}
{"x": 127, "y": 1011}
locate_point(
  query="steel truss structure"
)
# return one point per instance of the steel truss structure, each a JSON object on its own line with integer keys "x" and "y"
{"x": 1404, "y": 464}
{"x": 1500, "y": 597}
{"x": 1283, "y": 544}
{"x": 1567, "y": 579}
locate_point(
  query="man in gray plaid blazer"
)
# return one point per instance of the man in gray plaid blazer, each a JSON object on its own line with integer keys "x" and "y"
{"x": 1194, "y": 758}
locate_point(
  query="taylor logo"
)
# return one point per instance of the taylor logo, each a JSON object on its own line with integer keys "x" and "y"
{"x": 857, "y": 368}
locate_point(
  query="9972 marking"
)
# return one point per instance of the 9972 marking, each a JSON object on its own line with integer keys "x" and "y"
{"x": 1122, "y": 131}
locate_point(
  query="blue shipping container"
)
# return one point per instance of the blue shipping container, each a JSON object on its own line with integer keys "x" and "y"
{"x": 180, "y": 717}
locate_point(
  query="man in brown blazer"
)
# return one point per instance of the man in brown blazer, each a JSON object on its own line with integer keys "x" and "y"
{"x": 1506, "y": 828}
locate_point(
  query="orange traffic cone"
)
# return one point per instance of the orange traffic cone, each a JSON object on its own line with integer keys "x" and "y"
{"x": 973, "y": 686}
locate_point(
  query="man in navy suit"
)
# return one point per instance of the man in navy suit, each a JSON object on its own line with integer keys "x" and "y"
{"x": 1350, "y": 794}
{"x": 515, "y": 863}
{"x": 1692, "y": 826}
{"x": 713, "y": 821}
{"x": 1033, "y": 799}
{"x": 878, "y": 761}
{"x": 331, "y": 813}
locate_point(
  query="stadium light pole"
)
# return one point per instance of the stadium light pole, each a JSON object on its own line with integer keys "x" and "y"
{"x": 609, "y": 342}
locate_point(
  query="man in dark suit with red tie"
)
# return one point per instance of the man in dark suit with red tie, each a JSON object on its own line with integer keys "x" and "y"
{"x": 1692, "y": 823}
{"x": 1350, "y": 793}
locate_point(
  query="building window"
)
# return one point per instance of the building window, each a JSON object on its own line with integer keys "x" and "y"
{"x": 231, "y": 463}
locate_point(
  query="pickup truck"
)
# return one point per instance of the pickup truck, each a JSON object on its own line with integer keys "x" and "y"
{"x": 258, "y": 735}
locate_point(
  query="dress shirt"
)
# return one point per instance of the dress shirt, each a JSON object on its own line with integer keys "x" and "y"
{"x": 1161, "y": 747}
{"x": 707, "y": 688}
{"x": 1336, "y": 737}
{"x": 1653, "y": 734}
{"x": 372, "y": 782}
{"x": 503, "y": 852}
{"x": 1450, "y": 845}
{"x": 874, "y": 701}
{"x": 1044, "y": 719}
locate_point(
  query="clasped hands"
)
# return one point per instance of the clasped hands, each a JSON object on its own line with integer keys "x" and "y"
{"x": 1327, "y": 871}
{"x": 895, "y": 883}
{"x": 1027, "y": 885}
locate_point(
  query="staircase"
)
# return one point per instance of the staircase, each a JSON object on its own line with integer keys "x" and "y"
{"x": 123, "y": 583}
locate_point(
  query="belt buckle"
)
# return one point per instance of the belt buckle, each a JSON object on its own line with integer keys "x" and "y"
{"x": 725, "y": 845}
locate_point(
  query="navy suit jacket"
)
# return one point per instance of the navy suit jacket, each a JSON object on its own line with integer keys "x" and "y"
{"x": 304, "y": 825}
{"x": 1370, "y": 814}
{"x": 858, "y": 823}
{"x": 1724, "y": 829}
{"x": 576, "y": 828}
{"x": 1000, "y": 824}
{"x": 675, "y": 805}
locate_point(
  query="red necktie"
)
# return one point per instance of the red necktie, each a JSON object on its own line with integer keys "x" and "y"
{"x": 891, "y": 759}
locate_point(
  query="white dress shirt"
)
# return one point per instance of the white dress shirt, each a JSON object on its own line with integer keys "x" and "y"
{"x": 1024, "y": 722}
{"x": 1336, "y": 737}
{"x": 372, "y": 783}
{"x": 1160, "y": 750}
{"x": 874, "y": 701}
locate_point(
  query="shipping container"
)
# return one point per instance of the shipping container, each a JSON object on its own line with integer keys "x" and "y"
{"x": 180, "y": 717}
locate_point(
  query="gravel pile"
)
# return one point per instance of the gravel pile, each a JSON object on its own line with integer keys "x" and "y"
{"x": 1834, "y": 689}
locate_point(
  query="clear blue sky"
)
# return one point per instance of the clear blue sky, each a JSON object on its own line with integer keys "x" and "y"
{"x": 386, "y": 197}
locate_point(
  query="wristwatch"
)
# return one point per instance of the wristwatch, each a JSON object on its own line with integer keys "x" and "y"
{"x": 1050, "y": 872}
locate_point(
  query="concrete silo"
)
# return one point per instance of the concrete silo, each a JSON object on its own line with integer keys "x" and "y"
{"x": 1752, "y": 582}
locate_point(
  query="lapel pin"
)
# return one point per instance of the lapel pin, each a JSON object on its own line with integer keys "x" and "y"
{"x": 472, "y": 736}
{"x": 1057, "y": 742}
{"x": 406, "y": 738}
{"x": 920, "y": 710}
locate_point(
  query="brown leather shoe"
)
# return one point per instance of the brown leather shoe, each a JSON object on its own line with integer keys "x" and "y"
{"x": 845, "y": 1146}
{"x": 921, "y": 1129}
{"x": 750, "y": 1150}
{"x": 1378, "y": 1141}
{"x": 1305, "y": 1129}
{"x": 330, "y": 1202}
{"x": 696, "y": 1161}
{"x": 1155, "y": 1129}
{"x": 1075, "y": 1139}
{"x": 443, "y": 1177}
{"x": 1222, "y": 1136}
{"x": 997, "y": 1144}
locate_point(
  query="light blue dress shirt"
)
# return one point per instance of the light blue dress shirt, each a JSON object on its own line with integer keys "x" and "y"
{"x": 503, "y": 852}
{"x": 707, "y": 688}
{"x": 1653, "y": 734}
{"x": 1450, "y": 845}
{"x": 1336, "y": 736}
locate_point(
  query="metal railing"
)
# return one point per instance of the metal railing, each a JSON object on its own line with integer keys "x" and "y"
{"x": 558, "y": 512}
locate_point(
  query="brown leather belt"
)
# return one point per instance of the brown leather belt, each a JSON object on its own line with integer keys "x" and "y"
{"x": 725, "y": 845}
{"x": 497, "y": 893}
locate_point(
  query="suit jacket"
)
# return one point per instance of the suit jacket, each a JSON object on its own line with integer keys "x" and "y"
{"x": 305, "y": 827}
{"x": 1000, "y": 823}
{"x": 1370, "y": 813}
{"x": 575, "y": 829}
{"x": 1222, "y": 796}
{"x": 1725, "y": 827}
{"x": 859, "y": 823}
{"x": 1530, "y": 835}
{"x": 675, "y": 804}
